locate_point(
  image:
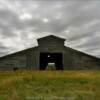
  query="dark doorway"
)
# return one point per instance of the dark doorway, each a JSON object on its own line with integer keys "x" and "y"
{"x": 56, "y": 58}
{"x": 15, "y": 69}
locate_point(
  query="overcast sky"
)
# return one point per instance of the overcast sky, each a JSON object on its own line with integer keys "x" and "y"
{"x": 23, "y": 21}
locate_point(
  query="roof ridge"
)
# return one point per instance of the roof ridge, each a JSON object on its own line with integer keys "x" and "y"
{"x": 52, "y": 36}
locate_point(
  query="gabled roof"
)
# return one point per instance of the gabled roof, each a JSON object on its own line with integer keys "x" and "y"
{"x": 52, "y": 36}
{"x": 18, "y": 52}
{"x": 83, "y": 53}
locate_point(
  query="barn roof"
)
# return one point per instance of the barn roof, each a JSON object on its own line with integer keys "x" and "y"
{"x": 23, "y": 51}
{"x": 52, "y": 36}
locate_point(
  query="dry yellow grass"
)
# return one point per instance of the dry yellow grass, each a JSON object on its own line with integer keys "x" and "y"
{"x": 43, "y": 85}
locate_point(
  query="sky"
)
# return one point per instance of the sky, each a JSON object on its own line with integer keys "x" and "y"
{"x": 23, "y": 21}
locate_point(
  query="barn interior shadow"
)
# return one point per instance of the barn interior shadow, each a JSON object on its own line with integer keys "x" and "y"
{"x": 51, "y": 59}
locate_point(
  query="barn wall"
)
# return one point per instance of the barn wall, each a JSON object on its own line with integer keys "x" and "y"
{"x": 50, "y": 49}
{"x": 51, "y": 41}
{"x": 13, "y": 61}
{"x": 29, "y": 59}
{"x": 72, "y": 59}
{"x": 68, "y": 59}
{"x": 50, "y": 45}
{"x": 32, "y": 58}
{"x": 84, "y": 61}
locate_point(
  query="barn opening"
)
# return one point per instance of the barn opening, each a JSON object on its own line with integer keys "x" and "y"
{"x": 15, "y": 69}
{"x": 51, "y": 59}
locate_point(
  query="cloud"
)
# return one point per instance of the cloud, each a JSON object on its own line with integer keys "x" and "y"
{"x": 23, "y": 21}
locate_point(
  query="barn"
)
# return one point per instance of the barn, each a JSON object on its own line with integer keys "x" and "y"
{"x": 50, "y": 50}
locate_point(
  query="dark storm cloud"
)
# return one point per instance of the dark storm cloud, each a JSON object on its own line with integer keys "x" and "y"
{"x": 23, "y": 21}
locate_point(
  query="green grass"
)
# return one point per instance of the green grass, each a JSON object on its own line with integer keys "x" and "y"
{"x": 50, "y": 85}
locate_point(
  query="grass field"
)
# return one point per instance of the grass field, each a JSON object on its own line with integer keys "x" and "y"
{"x": 50, "y": 85}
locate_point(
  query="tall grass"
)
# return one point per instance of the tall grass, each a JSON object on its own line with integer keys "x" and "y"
{"x": 50, "y": 85}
